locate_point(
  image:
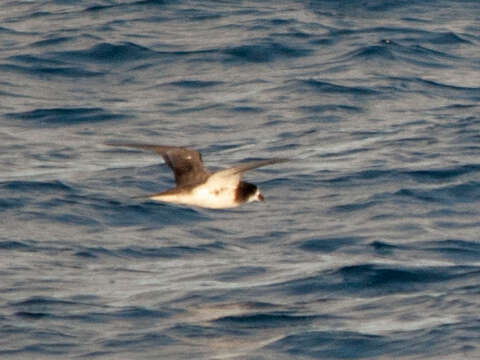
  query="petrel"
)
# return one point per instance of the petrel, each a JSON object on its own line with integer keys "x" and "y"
{"x": 196, "y": 186}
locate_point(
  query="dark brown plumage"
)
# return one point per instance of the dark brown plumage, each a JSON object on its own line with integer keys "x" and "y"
{"x": 244, "y": 191}
{"x": 186, "y": 164}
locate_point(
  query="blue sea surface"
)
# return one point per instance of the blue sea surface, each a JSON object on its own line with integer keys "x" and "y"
{"x": 368, "y": 244}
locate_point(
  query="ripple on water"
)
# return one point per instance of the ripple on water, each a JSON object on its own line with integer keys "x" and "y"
{"x": 49, "y": 71}
{"x": 24, "y": 186}
{"x": 65, "y": 116}
{"x": 37, "y": 307}
{"x": 11, "y": 245}
{"x": 321, "y": 86}
{"x": 139, "y": 252}
{"x": 449, "y": 194}
{"x": 108, "y": 53}
{"x": 334, "y": 345}
{"x": 264, "y": 53}
{"x": 375, "y": 280}
{"x": 326, "y": 245}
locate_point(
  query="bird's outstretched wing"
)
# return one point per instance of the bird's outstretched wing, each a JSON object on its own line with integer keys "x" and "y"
{"x": 234, "y": 174}
{"x": 186, "y": 164}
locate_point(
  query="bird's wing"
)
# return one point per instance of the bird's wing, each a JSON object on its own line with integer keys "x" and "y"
{"x": 186, "y": 164}
{"x": 231, "y": 176}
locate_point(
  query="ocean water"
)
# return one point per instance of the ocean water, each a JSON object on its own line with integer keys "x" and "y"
{"x": 368, "y": 244}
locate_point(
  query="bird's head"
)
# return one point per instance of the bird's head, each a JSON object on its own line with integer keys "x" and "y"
{"x": 247, "y": 192}
{"x": 257, "y": 196}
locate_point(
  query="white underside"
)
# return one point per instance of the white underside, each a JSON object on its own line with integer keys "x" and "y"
{"x": 203, "y": 196}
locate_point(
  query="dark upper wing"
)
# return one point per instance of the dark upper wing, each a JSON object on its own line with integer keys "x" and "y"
{"x": 241, "y": 168}
{"x": 232, "y": 176}
{"x": 186, "y": 164}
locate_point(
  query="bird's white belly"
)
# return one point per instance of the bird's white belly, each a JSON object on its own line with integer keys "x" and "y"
{"x": 203, "y": 196}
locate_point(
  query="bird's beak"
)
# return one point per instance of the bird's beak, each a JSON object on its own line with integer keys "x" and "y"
{"x": 260, "y": 197}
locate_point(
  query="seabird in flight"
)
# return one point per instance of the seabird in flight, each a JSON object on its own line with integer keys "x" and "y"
{"x": 196, "y": 186}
